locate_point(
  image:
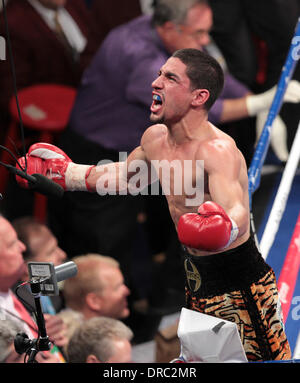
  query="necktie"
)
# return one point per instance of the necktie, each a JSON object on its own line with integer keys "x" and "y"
{"x": 25, "y": 315}
{"x": 62, "y": 37}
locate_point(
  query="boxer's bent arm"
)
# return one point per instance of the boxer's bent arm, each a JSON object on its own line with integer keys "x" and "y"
{"x": 223, "y": 163}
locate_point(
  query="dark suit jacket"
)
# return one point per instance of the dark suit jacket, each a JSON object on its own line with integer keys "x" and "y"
{"x": 110, "y": 14}
{"x": 39, "y": 56}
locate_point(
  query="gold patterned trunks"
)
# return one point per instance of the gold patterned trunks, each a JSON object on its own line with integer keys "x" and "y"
{"x": 239, "y": 286}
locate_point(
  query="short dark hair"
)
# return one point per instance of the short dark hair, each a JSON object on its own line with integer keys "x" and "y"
{"x": 203, "y": 71}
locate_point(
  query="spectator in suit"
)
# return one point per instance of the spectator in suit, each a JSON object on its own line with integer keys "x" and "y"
{"x": 52, "y": 42}
{"x": 100, "y": 340}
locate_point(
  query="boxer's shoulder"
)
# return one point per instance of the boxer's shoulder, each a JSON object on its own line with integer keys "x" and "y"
{"x": 154, "y": 133}
{"x": 217, "y": 148}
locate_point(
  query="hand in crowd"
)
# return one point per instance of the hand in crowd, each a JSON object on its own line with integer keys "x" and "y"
{"x": 56, "y": 330}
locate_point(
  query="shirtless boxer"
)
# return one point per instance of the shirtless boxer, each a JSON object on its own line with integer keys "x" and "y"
{"x": 225, "y": 274}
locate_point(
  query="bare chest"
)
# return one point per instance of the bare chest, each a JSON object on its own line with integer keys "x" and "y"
{"x": 182, "y": 177}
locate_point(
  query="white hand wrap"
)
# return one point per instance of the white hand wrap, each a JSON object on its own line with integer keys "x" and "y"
{"x": 234, "y": 233}
{"x": 75, "y": 177}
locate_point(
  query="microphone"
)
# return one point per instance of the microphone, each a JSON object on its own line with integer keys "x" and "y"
{"x": 39, "y": 183}
{"x": 65, "y": 270}
{"x": 47, "y": 276}
{"x": 43, "y": 281}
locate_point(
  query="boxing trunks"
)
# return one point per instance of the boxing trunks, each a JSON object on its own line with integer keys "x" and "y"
{"x": 238, "y": 285}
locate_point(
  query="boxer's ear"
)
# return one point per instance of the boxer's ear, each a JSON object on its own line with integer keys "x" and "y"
{"x": 200, "y": 96}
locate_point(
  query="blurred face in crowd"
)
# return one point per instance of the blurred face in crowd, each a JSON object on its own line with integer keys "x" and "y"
{"x": 193, "y": 33}
{"x": 44, "y": 248}
{"x": 112, "y": 300}
{"x": 12, "y": 265}
{"x": 53, "y": 4}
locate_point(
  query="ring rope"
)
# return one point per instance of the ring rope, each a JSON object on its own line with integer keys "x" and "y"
{"x": 280, "y": 201}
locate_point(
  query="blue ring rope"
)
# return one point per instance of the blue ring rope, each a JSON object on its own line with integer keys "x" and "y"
{"x": 261, "y": 150}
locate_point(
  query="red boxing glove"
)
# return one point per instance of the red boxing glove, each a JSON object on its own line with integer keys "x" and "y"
{"x": 52, "y": 162}
{"x": 210, "y": 229}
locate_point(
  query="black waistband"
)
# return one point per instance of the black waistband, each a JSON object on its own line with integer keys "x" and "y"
{"x": 224, "y": 272}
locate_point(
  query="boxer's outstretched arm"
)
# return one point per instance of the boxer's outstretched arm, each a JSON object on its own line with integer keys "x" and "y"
{"x": 52, "y": 162}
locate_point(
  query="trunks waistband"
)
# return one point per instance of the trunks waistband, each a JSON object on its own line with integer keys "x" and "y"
{"x": 224, "y": 272}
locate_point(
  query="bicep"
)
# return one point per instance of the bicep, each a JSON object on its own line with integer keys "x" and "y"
{"x": 138, "y": 169}
{"x": 226, "y": 182}
{"x": 225, "y": 189}
{"x": 229, "y": 194}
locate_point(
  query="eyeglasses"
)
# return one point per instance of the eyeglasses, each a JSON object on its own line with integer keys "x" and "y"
{"x": 196, "y": 34}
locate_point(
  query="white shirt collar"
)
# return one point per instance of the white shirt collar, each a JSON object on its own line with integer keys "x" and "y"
{"x": 69, "y": 26}
{"x": 46, "y": 13}
{"x": 7, "y": 303}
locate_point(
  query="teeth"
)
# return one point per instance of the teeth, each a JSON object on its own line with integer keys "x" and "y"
{"x": 156, "y": 97}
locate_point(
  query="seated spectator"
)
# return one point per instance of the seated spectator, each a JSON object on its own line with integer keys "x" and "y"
{"x": 98, "y": 289}
{"x": 8, "y": 331}
{"x": 12, "y": 268}
{"x": 100, "y": 340}
{"x": 41, "y": 246}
